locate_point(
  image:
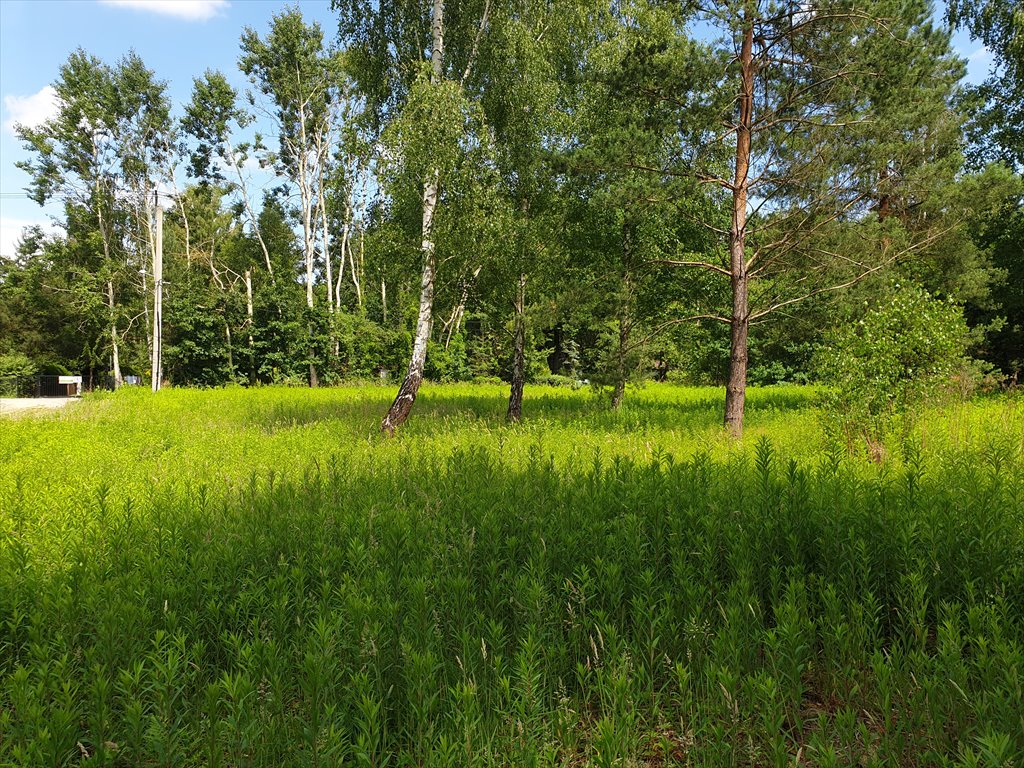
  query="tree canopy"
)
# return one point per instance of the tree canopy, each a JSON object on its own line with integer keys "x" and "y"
{"x": 536, "y": 192}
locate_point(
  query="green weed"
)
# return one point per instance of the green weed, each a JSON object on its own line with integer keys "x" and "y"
{"x": 255, "y": 578}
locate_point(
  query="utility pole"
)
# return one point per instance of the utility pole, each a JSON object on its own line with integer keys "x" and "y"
{"x": 158, "y": 296}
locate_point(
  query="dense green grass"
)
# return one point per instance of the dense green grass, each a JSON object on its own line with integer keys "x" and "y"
{"x": 235, "y": 578}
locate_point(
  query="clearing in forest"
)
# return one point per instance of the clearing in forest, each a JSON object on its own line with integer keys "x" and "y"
{"x": 256, "y": 577}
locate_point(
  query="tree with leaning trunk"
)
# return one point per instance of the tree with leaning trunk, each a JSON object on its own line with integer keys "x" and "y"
{"x": 422, "y": 104}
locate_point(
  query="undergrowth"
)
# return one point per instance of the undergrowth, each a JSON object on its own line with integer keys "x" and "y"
{"x": 237, "y": 578}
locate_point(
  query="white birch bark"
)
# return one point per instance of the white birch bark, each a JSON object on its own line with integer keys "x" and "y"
{"x": 399, "y": 411}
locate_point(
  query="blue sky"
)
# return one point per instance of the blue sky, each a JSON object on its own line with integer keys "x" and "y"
{"x": 178, "y": 39}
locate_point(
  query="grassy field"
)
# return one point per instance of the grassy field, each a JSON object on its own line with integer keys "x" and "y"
{"x": 257, "y": 578}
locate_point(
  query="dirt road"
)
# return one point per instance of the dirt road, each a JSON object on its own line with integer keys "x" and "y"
{"x": 18, "y": 406}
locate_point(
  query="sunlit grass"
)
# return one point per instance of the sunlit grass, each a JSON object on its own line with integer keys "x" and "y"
{"x": 256, "y": 577}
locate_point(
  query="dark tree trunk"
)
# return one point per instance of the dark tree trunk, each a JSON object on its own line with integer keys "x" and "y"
{"x": 625, "y": 318}
{"x": 621, "y": 374}
{"x": 515, "y": 397}
{"x": 314, "y": 379}
{"x": 736, "y": 388}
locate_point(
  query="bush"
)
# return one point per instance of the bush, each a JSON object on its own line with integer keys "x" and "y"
{"x": 905, "y": 351}
{"x": 555, "y": 380}
{"x": 15, "y": 364}
{"x": 449, "y": 363}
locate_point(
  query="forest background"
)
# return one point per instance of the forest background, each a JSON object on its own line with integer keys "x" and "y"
{"x": 535, "y": 193}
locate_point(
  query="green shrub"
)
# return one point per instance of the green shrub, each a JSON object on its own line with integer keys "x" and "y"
{"x": 905, "y": 351}
{"x": 554, "y": 380}
{"x": 15, "y": 364}
{"x": 448, "y": 364}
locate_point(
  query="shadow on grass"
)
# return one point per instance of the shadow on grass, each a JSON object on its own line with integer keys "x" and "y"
{"x": 365, "y": 586}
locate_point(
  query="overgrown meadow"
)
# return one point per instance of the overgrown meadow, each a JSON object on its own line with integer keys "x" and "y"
{"x": 256, "y": 578}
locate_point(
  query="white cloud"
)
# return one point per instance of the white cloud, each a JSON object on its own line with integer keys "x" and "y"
{"x": 31, "y": 111}
{"x": 189, "y": 10}
{"x": 11, "y": 231}
{"x": 982, "y": 54}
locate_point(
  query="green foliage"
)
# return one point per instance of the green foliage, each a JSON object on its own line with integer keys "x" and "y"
{"x": 997, "y": 105}
{"x": 448, "y": 363}
{"x": 902, "y": 353}
{"x": 15, "y": 367}
{"x": 367, "y": 348}
{"x": 253, "y": 577}
{"x": 16, "y": 364}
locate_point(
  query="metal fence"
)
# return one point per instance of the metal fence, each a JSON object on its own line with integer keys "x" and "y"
{"x": 41, "y": 386}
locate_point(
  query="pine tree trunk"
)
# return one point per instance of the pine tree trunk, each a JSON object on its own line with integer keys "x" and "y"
{"x": 402, "y": 405}
{"x": 736, "y": 387}
{"x": 515, "y": 397}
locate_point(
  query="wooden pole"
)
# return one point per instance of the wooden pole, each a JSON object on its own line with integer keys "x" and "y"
{"x": 158, "y": 295}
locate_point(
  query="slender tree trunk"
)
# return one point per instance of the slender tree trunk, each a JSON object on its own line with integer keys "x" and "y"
{"x": 231, "y": 354}
{"x": 459, "y": 310}
{"x": 314, "y": 377}
{"x": 357, "y": 273}
{"x": 327, "y": 262}
{"x": 115, "y": 355}
{"x": 249, "y": 321}
{"x": 515, "y": 395}
{"x": 625, "y": 327}
{"x": 736, "y": 388}
{"x": 625, "y": 317}
{"x": 146, "y": 315}
{"x": 253, "y": 218}
{"x": 384, "y": 300}
{"x": 341, "y": 262}
{"x": 401, "y": 407}
{"x": 158, "y": 301}
{"x": 354, "y": 271}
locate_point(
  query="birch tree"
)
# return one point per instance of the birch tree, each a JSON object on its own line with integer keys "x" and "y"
{"x": 96, "y": 157}
{"x": 411, "y": 67}
{"x": 301, "y": 80}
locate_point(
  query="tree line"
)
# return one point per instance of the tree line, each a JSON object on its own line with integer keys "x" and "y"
{"x": 529, "y": 191}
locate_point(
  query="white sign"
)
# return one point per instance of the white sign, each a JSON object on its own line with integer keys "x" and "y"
{"x": 69, "y": 379}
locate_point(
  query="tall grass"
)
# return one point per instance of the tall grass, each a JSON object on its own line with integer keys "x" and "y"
{"x": 243, "y": 578}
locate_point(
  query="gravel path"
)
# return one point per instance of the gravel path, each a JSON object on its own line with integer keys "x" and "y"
{"x": 17, "y": 406}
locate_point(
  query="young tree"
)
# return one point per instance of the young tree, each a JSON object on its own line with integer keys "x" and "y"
{"x": 525, "y": 84}
{"x": 636, "y": 220}
{"x": 211, "y": 117}
{"x": 302, "y": 81}
{"x": 424, "y": 101}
